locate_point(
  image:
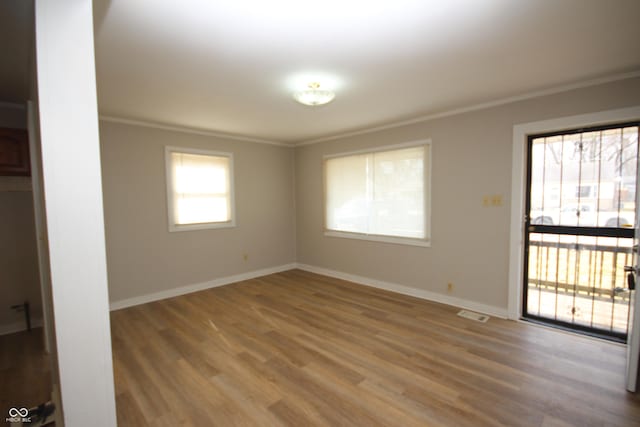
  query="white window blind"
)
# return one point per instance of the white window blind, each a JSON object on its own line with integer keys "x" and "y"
{"x": 379, "y": 193}
{"x": 200, "y": 189}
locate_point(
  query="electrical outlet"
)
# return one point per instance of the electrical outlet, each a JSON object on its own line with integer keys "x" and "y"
{"x": 486, "y": 201}
{"x": 245, "y": 256}
{"x": 496, "y": 200}
{"x": 449, "y": 287}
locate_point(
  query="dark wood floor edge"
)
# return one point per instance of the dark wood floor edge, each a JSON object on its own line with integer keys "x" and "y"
{"x": 17, "y": 327}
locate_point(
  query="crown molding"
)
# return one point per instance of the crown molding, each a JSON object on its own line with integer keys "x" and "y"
{"x": 190, "y": 130}
{"x": 475, "y": 107}
{"x": 367, "y": 130}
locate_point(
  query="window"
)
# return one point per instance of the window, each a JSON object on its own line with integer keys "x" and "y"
{"x": 379, "y": 195}
{"x": 199, "y": 189}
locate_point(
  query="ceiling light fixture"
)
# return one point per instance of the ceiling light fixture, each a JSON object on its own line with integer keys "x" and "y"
{"x": 314, "y": 95}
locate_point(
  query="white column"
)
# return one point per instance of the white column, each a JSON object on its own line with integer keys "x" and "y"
{"x": 73, "y": 204}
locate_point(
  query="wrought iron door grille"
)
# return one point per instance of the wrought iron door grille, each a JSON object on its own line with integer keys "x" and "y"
{"x": 579, "y": 228}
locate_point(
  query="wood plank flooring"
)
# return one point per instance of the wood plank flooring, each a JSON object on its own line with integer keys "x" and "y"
{"x": 25, "y": 373}
{"x": 300, "y": 349}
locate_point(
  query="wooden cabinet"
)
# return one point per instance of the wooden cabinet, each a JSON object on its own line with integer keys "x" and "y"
{"x": 14, "y": 152}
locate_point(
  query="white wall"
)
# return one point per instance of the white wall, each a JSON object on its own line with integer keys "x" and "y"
{"x": 18, "y": 256}
{"x": 13, "y": 115}
{"x": 73, "y": 202}
{"x": 19, "y": 280}
{"x": 471, "y": 155}
{"x": 145, "y": 260}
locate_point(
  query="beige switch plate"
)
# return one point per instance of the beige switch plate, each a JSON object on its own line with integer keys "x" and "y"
{"x": 493, "y": 200}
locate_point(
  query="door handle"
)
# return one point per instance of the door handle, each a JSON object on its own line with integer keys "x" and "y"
{"x": 631, "y": 277}
{"x": 631, "y": 281}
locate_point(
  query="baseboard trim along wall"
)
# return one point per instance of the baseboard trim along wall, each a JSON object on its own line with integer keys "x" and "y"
{"x": 393, "y": 287}
{"x": 12, "y": 328}
{"x": 406, "y": 290}
{"x": 187, "y": 289}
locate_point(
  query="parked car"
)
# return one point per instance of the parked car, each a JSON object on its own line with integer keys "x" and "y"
{"x": 584, "y": 215}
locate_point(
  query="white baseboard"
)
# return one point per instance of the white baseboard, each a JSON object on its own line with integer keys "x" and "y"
{"x": 12, "y": 328}
{"x": 406, "y": 290}
{"x": 182, "y": 290}
{"x": 393, "y": 287}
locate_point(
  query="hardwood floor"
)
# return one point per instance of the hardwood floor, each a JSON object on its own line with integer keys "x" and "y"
{"x": 25, "y": 374}
{"x": 300, "y": 349}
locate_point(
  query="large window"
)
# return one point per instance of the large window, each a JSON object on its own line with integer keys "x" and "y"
{"x": 379, "y": 195}
{"x": 199, "y": 189}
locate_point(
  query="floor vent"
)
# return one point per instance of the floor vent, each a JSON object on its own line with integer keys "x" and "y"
{"x": 473, "y": 316}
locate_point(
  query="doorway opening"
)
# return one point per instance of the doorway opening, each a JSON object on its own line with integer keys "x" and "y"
{"x": 579, "y": 228}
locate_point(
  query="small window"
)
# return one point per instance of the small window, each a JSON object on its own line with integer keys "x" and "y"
{"x": 380, "y": 195}
{"x": 199, "y": 189}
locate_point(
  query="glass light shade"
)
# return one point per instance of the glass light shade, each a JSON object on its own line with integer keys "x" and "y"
{"x": 314, "y": 95}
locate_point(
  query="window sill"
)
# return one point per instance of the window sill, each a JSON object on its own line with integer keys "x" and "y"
{"x": 377, "y": 238}
{"x": 203, "y": 226}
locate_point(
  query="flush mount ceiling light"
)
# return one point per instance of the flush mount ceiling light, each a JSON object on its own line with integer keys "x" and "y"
{"x": 313, "y": 95}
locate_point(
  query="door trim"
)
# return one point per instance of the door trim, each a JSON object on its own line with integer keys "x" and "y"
{"x": 518, "y": 185}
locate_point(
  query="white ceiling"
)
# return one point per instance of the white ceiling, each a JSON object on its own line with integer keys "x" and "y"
{"x": 231, "y": 66}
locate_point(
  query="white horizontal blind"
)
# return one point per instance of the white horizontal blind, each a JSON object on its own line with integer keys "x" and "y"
{"x": 201, "y": 188}
{"x": 378, "y": 193}
{"x": 347, "y": 193}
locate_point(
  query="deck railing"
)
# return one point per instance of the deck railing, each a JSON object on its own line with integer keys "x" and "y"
{"x": 587, "y": 269}
{"x": 581, "y": 283}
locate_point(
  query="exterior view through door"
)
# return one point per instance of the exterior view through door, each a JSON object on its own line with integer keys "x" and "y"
{"x": 579, "y": 230}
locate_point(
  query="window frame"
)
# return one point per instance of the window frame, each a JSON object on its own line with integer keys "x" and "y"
{"x": 173, "y": 227}
{"x": 427, "y": 172}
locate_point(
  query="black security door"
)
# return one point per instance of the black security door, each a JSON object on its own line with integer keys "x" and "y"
{"x": 581, "y": 211}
